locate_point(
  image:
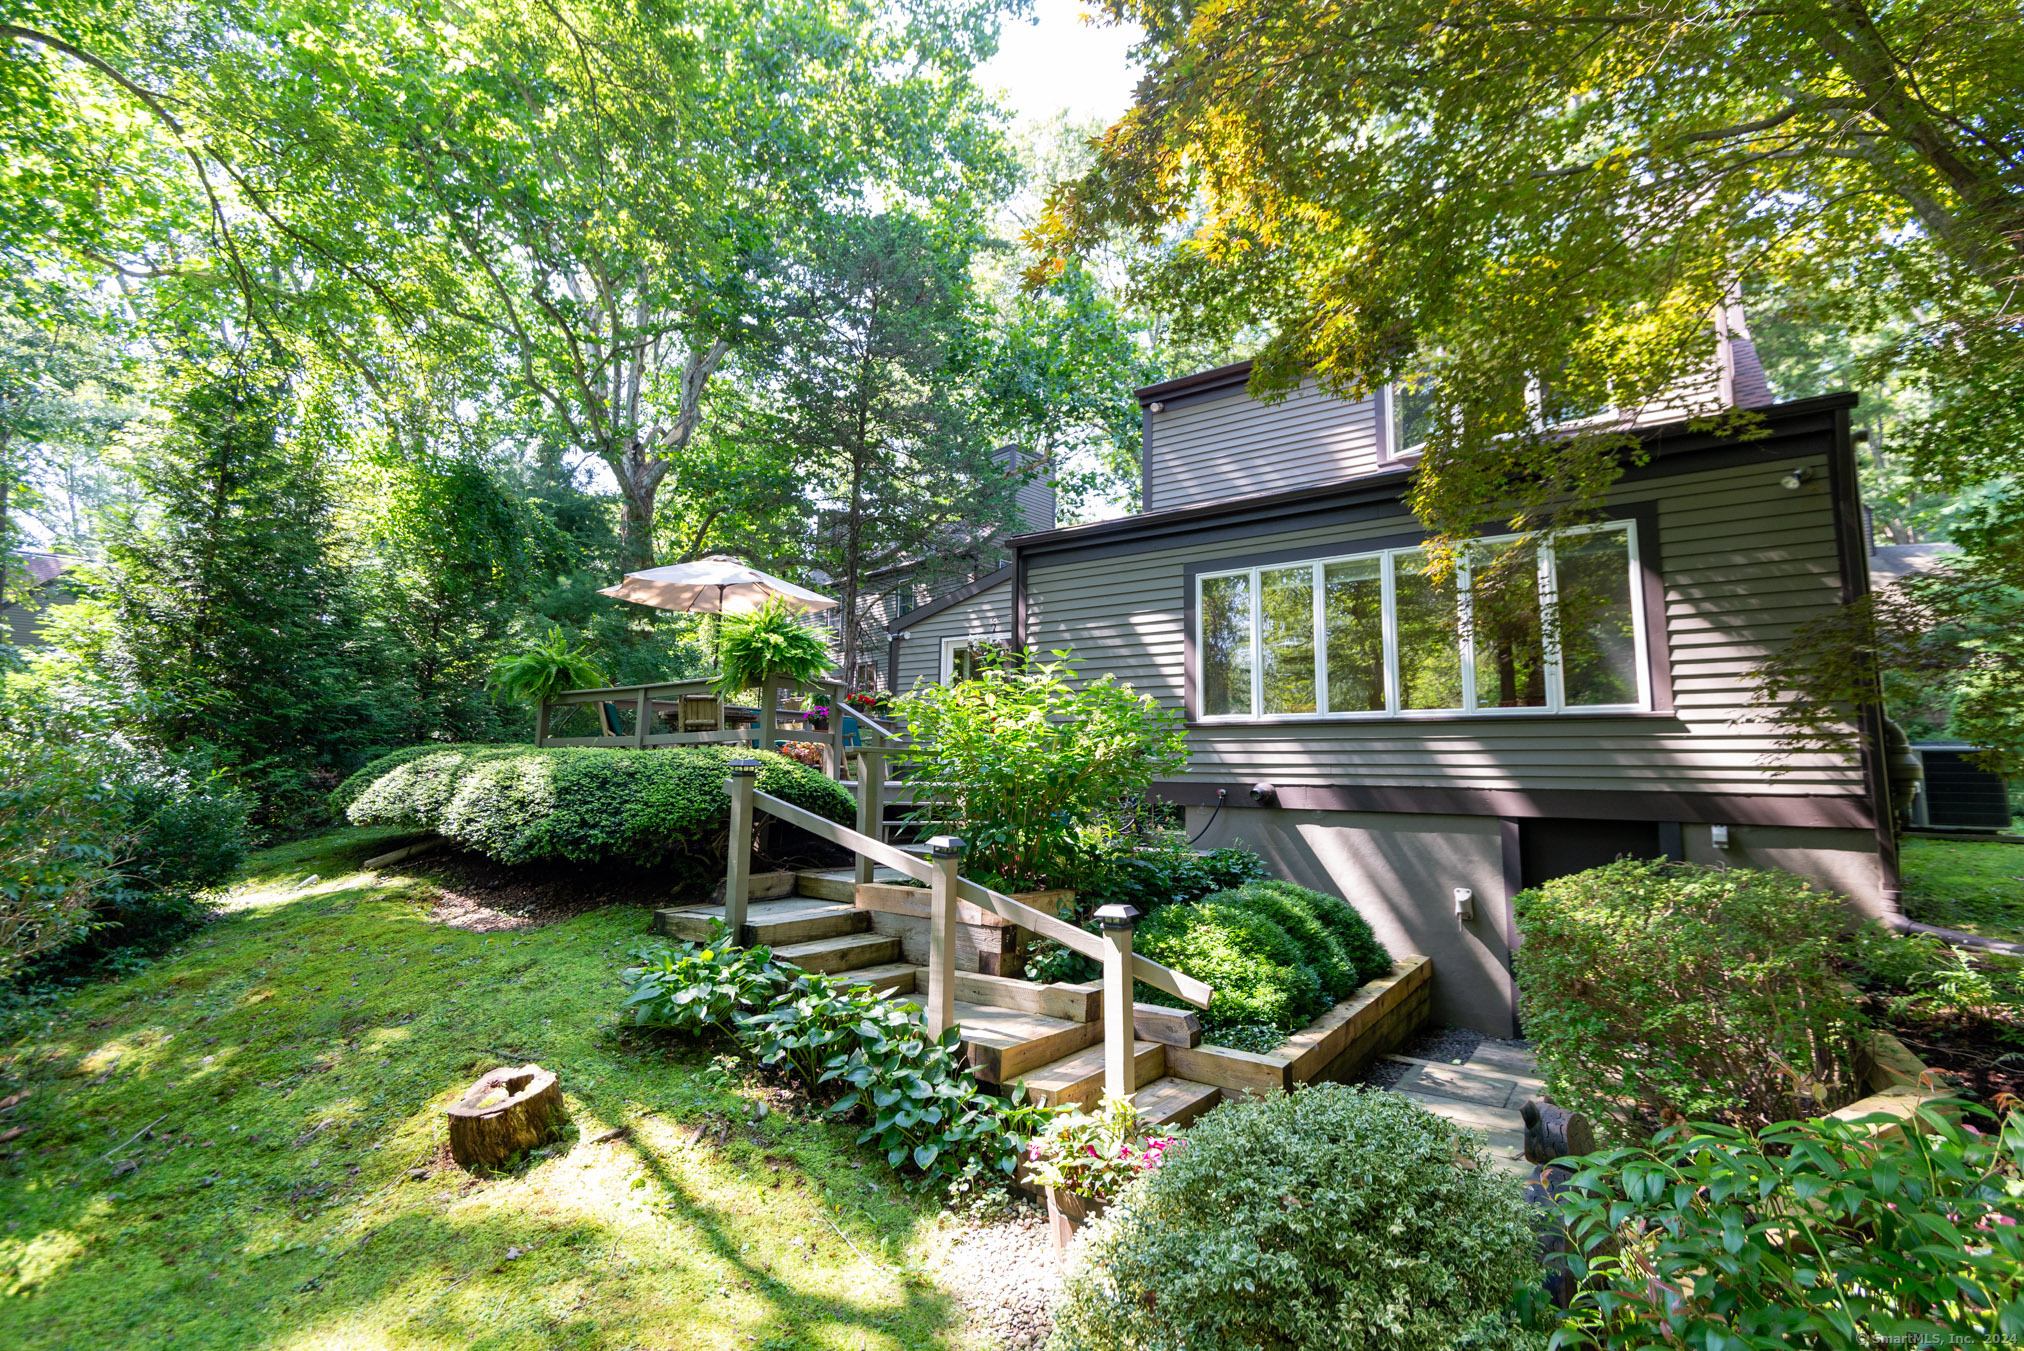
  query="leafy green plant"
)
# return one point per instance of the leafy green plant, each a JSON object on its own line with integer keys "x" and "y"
{"x": 1368, "y": 959}
{"x": 544, "y": 669}
{"x": 1326, "y": 1218}
{"x": 1025, "y": 761}
{"x": 923, "y": 1106}
{"x": 926, "y": 1107}
{"x": 1259, "y": 971}
{"x": 526, "y": 804}
{"x": 772, "y": 642}
{"x": 1919, "y": 974}
{"x": 1147, "y": 872}
{"x": 1653, "y": 991}
{"x": 816, "y": 1023}
{"x": 1826, "y": 1234}
{"x": 1097, "y": 1155}
{"x": 692, "y": 987}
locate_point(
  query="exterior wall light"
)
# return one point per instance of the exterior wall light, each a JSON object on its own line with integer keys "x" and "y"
{"x": 1798, "y": 476}
{"x": 1264, "y": 794}
{"x": 1465, "y": 904}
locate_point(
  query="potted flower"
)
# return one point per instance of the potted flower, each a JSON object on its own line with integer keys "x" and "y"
{"x": 818, "y": 716}
{"x": 1085, "y": 1161}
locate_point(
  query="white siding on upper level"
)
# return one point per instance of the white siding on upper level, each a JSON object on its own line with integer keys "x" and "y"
{"x": 1234, "y": 446}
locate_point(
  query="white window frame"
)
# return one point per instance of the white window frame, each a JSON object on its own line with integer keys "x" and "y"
{"x": 1555, "y": 704}
{"x": 952, "y": 645}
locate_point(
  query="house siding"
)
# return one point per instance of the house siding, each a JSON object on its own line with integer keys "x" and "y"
{"x": 1232, "y": 446}
{"x": 1743, "y": 559}
{"x": 920, "y": 652}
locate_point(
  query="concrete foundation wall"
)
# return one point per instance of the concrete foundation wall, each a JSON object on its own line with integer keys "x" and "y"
{"x": 1400, "y": 871}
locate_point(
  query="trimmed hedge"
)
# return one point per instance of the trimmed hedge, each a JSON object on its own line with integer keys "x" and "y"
{"x": 527, "y": 804}
{"x": 1279, "y": 956}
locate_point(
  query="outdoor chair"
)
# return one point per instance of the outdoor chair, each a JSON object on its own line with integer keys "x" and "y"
{"x": 607, "y": 716}
{"x": 702, "y": 713}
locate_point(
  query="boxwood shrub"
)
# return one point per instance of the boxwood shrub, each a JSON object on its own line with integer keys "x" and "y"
{"x": 1279, "y": 956}
{"x": 1654, "y": 992}
{"x": 1326, "y": 1218}
{"x": 526, "y": 804}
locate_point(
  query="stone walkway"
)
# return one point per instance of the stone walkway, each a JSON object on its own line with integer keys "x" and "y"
{"x": 1480, "y": 1089}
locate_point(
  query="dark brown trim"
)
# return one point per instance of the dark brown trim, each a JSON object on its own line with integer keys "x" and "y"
{"x": 1510, "y": 854}
{"x": 1019, "y": 602}
{"x": 1627, "y": 804}
{"x": 1644, "y": 519}
{"x": 1145, "y": 461}
{"x": 954, "y": 598}
{"x": 1223, "y": 378}
{"x": 1852, "y": 553}
{"x": 893, "y": 662}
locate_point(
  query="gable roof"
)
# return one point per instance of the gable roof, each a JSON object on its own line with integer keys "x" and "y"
{"x": 954, "y": 598}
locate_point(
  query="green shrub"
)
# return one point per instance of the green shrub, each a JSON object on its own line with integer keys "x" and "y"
{"x": 523, "y": 804}
{"x": 1028, "y": 763}
{"x": 1291, "y": 908}
{"x": 1653, "y": 991}
{"x": 1258, "y": 969}
{"x": 1328, "y": 1218}
{"x": 1163, "y": 870}
{"x": 1821, "y": 1234}
{"x": 1367, "y": 957}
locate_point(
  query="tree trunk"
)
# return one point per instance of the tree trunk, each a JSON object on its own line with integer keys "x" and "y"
{"x": 508, "y": 1112}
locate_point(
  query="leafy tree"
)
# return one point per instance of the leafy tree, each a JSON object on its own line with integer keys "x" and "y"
{"x": 871, "y": 399}
{"x": 444, "y": 570}
{"x": 1534, "y": 209}
{"x": 226, "y": 621}
{"x": 1060, "y": 379}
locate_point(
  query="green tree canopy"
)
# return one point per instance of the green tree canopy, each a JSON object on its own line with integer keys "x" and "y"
{"x": 1527, "y": 208}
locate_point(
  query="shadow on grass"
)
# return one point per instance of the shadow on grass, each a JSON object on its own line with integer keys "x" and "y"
{"x": 296, "y": 1053}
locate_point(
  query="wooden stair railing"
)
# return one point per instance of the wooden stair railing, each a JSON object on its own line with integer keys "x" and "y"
{"x": 1121, "y": 966}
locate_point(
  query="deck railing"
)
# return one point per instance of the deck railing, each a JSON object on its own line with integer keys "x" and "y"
{"x": 643, "y": 701}
{"x": 1121, "y": 966}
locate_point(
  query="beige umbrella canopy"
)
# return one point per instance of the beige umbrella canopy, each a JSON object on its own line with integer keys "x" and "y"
{"x": 713, "y": 586}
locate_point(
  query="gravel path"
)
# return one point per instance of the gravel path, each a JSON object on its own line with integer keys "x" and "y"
{"x": 1447, "y": 1045}
{"x": 1006, "y": 1276}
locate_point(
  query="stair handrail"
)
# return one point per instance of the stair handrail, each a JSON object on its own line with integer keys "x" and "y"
{"x": 946, "y": 887}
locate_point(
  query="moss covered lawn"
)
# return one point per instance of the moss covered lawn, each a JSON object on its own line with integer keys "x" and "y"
{"x": 242, "y": 1146}
{"x": 1976, "y": 886}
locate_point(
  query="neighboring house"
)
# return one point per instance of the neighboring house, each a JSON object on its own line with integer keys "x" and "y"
{"x": 917, "y": 648}
{"x": 1271, "y": 591}
{"x": 30, "y": 598}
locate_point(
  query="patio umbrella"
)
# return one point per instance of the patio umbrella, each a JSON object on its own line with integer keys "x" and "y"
{"x": 714, "y": 586}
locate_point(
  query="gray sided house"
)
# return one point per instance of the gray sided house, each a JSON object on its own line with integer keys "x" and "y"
{"x": 1271, "y": 590}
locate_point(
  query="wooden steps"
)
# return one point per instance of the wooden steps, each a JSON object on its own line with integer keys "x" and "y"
{"x": 1077, "y": 1080}
{"x": 888, "y": 978}
{"x": 847, "y": 953}
{"x": 1168, "y": 1101}
{"x": 838, "y": 884}
{"x": 798, "y": 919}
{"x": 1003, "y": 1044}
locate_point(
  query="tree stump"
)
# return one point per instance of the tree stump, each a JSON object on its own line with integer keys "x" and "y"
{"x": 1551, "y": 1133}
{"x": 508, "y": 1112}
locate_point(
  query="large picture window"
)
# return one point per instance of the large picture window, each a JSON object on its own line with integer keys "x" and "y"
{"x": 1371, "y": 635}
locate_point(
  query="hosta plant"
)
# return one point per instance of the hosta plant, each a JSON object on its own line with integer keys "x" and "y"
{"x": 927, "y": 1109}
{"x": 692, "y": 987}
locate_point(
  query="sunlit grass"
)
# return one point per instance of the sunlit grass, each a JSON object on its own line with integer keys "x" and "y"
{"x": 293, "y": 1060}
{"x": 1976, "y": 886}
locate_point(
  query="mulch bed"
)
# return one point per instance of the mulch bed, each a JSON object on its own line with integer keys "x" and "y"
{"x": 473, "y": 892}
{"x": 1966, "y": 1048}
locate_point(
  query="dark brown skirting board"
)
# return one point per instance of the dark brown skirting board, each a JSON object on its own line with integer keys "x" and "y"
{"x": 1630, "y": 804}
